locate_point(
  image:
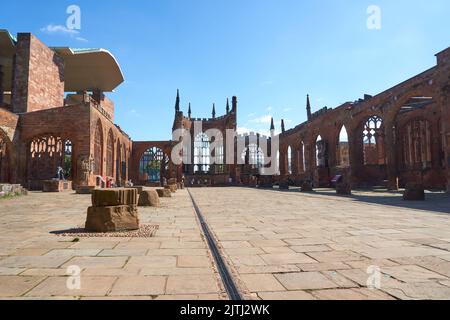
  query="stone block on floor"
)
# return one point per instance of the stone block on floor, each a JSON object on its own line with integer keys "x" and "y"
{"x": 344, "y": 189}
{"x": 56, "y": 185}
{"x": 414, "y": 193}
{"x": 114, "y": 197}
{"x": 112, "y": 219}
{"x": 164, "y": 193}
{"x": 149, "y": 198}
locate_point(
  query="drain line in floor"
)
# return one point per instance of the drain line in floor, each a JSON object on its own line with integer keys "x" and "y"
{"x": 225, "y": 275}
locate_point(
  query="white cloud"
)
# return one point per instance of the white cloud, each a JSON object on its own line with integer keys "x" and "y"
{"x": 263, "y": 119}
{"x": 56, "y": 29}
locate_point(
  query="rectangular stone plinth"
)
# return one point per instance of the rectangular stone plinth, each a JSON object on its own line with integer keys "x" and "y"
{"x": 85, "y": 189}
{"x": 112, "y": 219}
{"x": 114, "y": 197}
{"x": 56, "y": 186}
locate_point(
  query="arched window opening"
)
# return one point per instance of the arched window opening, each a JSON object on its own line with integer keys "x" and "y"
{"x": 153, "y": 165}
{"x": 46, "y": 154}
{"x": 289, "y": 160}
{"x": 278, "y": 163}
{"x": 417, "y": 145}
{"x": 373, "y": 142}
{"x": 118, "y": 162}
{"x": 343, "y": 154}
{"x": 123, "y": 157}
{"x": 98, "y": 150}
{"x": 110, "y": 155}
{"x": 321, "y": 152}
{"x": 202, "y": 153}
{"x": 68, "y": 159}
{"x": 303, "y": 157}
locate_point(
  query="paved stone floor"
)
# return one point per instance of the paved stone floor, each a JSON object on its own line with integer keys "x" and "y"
{"x": 175, "y": 264}
{"x": 288, "y": 245}
{"x": 279, "y": 245}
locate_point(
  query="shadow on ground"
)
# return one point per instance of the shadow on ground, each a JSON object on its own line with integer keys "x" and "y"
{"x": 435, "y": 201}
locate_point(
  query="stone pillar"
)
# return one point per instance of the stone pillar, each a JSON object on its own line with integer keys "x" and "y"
{"x": 1, "y": 85}
{"x": 391, "y": 157}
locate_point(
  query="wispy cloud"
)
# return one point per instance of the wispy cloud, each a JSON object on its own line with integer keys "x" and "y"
{"x": 263, "y": 119}
{"x": 57, "y": 29}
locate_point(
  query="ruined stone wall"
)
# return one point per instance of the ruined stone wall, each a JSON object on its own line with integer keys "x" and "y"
{"x": 119, "y": 139}
{"x": 38, "y": 81}
{"x": 353, "y": 116}
{"x": 68, "y": 123}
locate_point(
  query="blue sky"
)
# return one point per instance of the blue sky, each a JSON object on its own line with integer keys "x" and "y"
{"x": 270, "y": 54}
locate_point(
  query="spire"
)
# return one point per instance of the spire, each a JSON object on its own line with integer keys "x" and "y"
{"x": 177, "y": 102}
{"x": 272, "y": 125}
{"x": 283, "y": 129}
{"x": 214, "y": 111}
{"x": 228, "y": 106}
{"x": 189, "y": 111}
{"x": 308, "y": 108}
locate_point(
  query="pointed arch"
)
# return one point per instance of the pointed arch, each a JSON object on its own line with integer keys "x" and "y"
{"x": 289, "y": 160}
{"x": 373, "y": 141}
{"x": 110, "y": 154}
{"x": 202, "y": 153}
{"x": 343, "y": 154}
{"x": 98, "y": 149}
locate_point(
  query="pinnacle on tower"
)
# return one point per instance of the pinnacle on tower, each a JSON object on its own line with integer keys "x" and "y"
{"x": 283, "y": 129}
{"x": 214, "y": 111}
{"x": 228, "y": 106}
{"x": 272, "y": 125}
{"x": 177, "y": 102}
{"x": 308, "y": 108}
{"x": 189, "y": 111}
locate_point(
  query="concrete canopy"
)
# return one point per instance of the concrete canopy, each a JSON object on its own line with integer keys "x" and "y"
{"x": 90, "y": 69}
{"x": 85, "y": 69}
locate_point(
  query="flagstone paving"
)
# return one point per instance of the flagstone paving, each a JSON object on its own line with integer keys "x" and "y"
{"x": 289, "y": 245}
{"x": 279, "y": 245}
{"x": 175, "y": 264}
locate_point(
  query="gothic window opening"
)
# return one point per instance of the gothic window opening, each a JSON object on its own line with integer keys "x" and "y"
{"x": 373, "y": 142}
{"x": 289, "y": 158}
{"x": 302, "y": 158}
{"x": 68, "y": 159}
{"x": 153, "y": 165}
{"x": 202, "y": 153}
{"x": 343, "y": 154}
{"x": 123, "y": 163}
{"x": 110, "y": 155}
{"x": 417, "y": 145}
{"x": 46, "y": 154}
{"x": 321, "y": 152}
{"x": 98, "y": 150}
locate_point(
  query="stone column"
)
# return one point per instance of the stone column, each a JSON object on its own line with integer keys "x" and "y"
{"x": 1, "y": 85}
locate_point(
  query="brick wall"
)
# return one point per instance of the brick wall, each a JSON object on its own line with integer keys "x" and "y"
{"x": 38, "y": 76}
